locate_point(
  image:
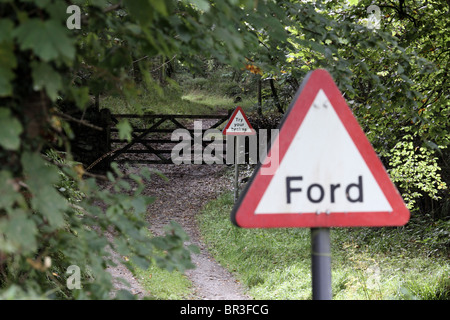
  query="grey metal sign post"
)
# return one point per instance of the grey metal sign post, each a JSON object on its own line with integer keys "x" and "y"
{"x": 321, "y": 263}
{"x": 236, "y": 168}
{"x": 238, "y": 125}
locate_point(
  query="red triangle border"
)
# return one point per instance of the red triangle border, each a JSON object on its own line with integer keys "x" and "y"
{"x": 233, "y": 115}
{"x": 243, "y": 214}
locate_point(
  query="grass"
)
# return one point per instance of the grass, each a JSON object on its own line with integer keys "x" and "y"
{"x": 167, "y": 101}
{"x": 164, "y": 285}
{"x": 173, "y": 100}
{"x": 160, "y": 283}
{"x": 367, "y": 263}
{"x": 199, "y": 97}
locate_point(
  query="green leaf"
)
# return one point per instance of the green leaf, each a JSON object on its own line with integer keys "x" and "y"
{"x": 6, "y": 75}
{"x": 45, "y": 77}
{"x": 10, "y": 130}
{"x": 140, "y": 204}
{"x": 193, "y": 248}
{"x": 432, "y": 145}
{"x": 141, "y": 9}
{"x": 41, "y": 178}
{"x": 20, "y": 231}
{"x": 202, "y": 5}
{"x": 52, "y": 205}
{"x": 142, "y": 263}
{"x": 125, "y": 129}
{"x": 9, "y": 197}
{"x": 8, "y": 59}
{"x": 48, "y": 39}
{"x": 124, "y": 295}
{"x": 160, "y": 6}
{"x": 81, "y": 96}
{"x": 6, "y": 27}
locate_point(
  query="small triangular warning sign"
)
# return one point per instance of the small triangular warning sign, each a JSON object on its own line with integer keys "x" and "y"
{"x": 238, "y": 124}
{"x": 328, "y": 173}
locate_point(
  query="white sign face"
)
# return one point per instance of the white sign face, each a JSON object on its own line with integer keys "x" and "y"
{"x": 322, "y": 170}
{"x": 239, "y": 125}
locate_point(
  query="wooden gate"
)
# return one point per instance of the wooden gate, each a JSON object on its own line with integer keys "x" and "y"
{"x": 151, "y": 136}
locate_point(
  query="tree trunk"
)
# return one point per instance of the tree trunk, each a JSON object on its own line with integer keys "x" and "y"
{"x": 162, "y": 70}
{"x": 259, "y": 107}
{"x": 275, "y": 96}
{"x": 97, "y": 102}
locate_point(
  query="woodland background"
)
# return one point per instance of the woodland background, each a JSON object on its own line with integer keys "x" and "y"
{"x": 171, "y": 57}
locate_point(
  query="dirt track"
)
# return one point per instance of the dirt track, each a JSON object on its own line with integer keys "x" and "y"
{"x": 180, "y": 199}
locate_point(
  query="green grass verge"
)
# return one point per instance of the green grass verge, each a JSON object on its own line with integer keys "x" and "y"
{"x": 164, "y": 285}
{"x": 367, "y": 263}
{"x": 202, "y": 98}
{"x": 172, "y": 100}
{"x": 161, "y": 284}
{"x": 169, "y": 101}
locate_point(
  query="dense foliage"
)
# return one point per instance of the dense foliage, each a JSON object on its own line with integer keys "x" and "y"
{"x": 54, "y": 214}
{"x": 394, "y": 78}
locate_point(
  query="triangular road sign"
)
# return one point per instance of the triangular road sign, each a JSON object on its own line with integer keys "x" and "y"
{"x": 238, "y": 124}
{"x": 328, "y": 173}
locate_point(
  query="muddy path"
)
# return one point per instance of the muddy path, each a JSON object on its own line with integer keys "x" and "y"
{"x": 180, "y": 199}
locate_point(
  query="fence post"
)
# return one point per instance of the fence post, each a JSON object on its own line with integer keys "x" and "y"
{"x": 105, "y": 123}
